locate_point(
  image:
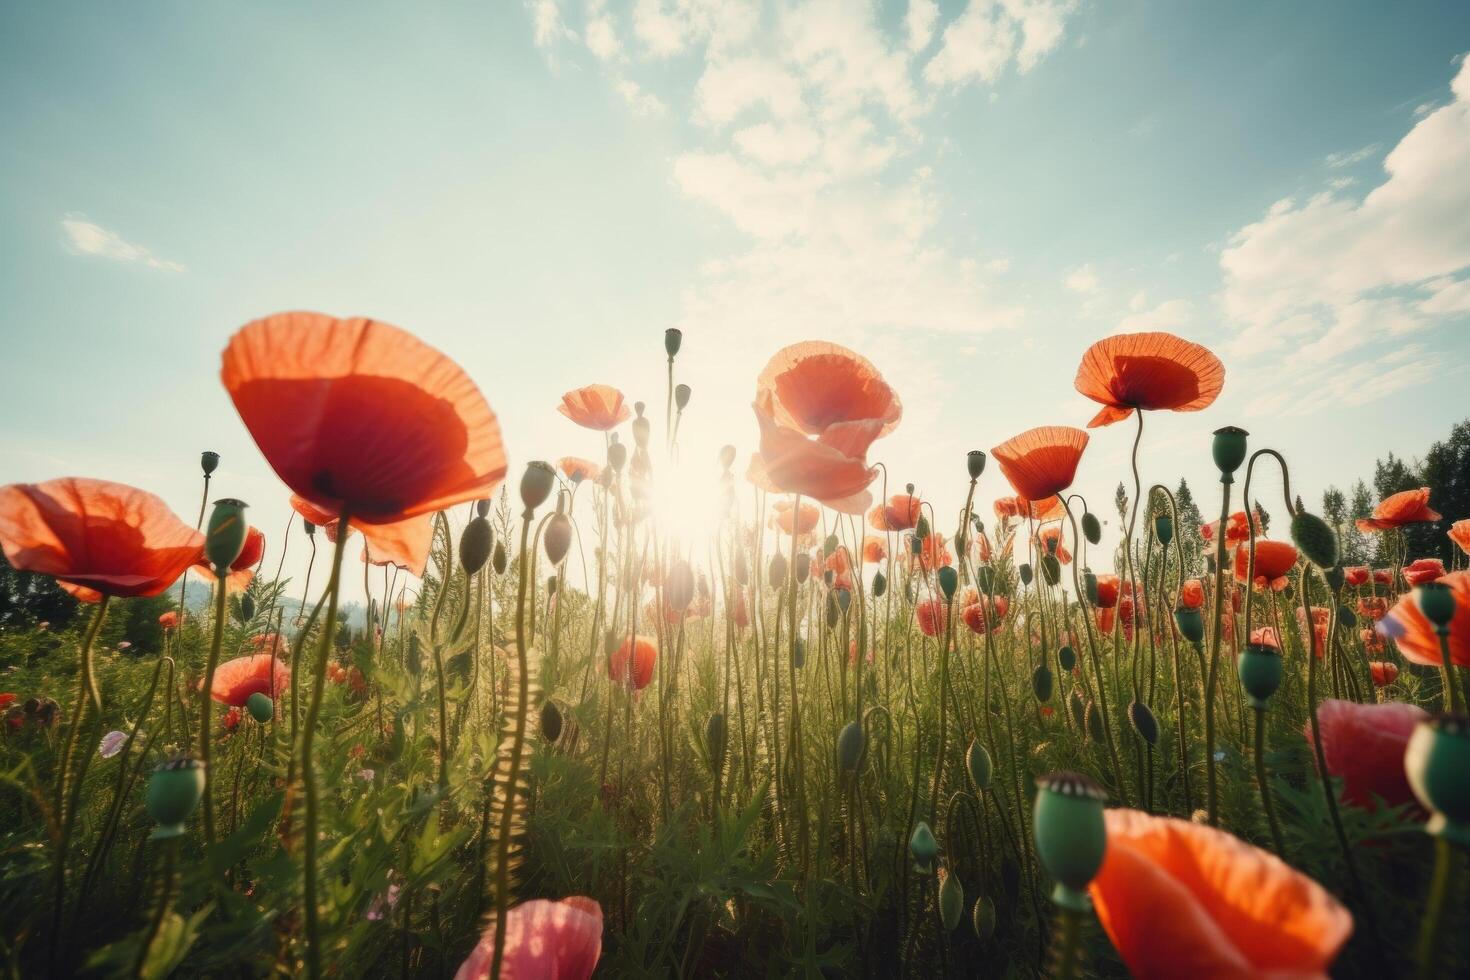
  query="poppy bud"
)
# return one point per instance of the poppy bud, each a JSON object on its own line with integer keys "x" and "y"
{"x": 798, "y": 654}
{"x": 727, "y": 457}
{"x": 557, "y": 537}
{"x": 949, "y": 581}
{"x": 482, "y": 507}
{"x": 984, "y": 919}
{"x": 1067, "y": 657}
{"x": 414, "y": 661}
{"x": 715, "y": 737}
{"x": 642, "y": 429}
{"x": 679, "y": 587}
{"x": 829, "y": 545}
{"x": 309, "y": 527}
{"x": 1091, "y": 528}
{"x": 916, "y": 544}
{"x": 921, "y": 528}
{"x": 1436, "y": 760}
{"x": 880, "y": 585}
{"x": 1347, "y": 617}
{"x": 834, "y": 615}
{"x": 1095, "y": 728}
{"x": 975, "y": 463}
{"x": 978, "y": 764}
{"x": 1164, "y": 529}
{"x": 803, "y": 567}
{"x": 1229, "y": 451}
{"x": 923, "y": 848}
{"x": 951, "y": 901}
{"x": 536, "y": 484}
{"x": 208, "y": 462}
{"x": 850, "y": 745}
{"x": 1334, "y": 578}
{"x": 776, "y": 571}
{"x": 1041, "y": 683}
{"x": 1260, "y": 673}
{"x": 497, "y": 559}
{"x": 1051, "y": 569}
{"x": 844, "y": 599}
{"x": 1437, "y": 602}
{"x": 247, "y": 607}
{"x": 1025, "y": 571}
{"x": 681, "y": 396}
{"x": 1191, "y": 623}
{"x": 550, "y": 721}
{"x": 617, "y": 455}
{"x": 1078, "y": 708}
{"x": 1314, "y": 539}
{"x": 225, "y": 537}
{"x": 908, "y": 488}
{"x": 475, "y": 543}
{"x": 1144, "y": 722}
{"x": 1071, "y": 836}
{"x": 673, "y": 339}
{"x": 174, "y": 790}
{"x": 260, "y": 706}
{"x": 1089, "y": 585}
{"x": 551, "y": 584}
{"x": 985, "y": 578}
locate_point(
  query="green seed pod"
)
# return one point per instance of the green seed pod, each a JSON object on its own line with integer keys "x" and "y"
{"x": 551, "y": 721}
{"x": 715, "y": 737}
{"x": 975, "y": 463}
{"x": 923, "y": 848}
{"x": 1091, "y": 528}
{"x": 208, "y": 462}
{"x": 1346, "y": 616}
{"x": 1089, "y": 585}
{"x": 1051, "y": 569}
{"x": 776, "y": 571}
{"x": 498, "y": 559}
{"x": 983, "y": 918}
{"x": 1260, "y": 673}
{"x": 829, "y": 546}
{"x": 1228, "y": 449}
{"x": 1334, "y": 578}
{"x": 844, "y": 599}
{"x": 482, "y": 507}
{"x": 536, "y": 484}
{"x": 1025, "y": 572}
{"x": 1164, "y": 529}
{"x": 557, "y": 538}
{"x": 921, "y": 528}
{"x": 1436, "y": 761}
{"x": 951, "y": 901}
{"x": 977, "y": 763}
{"x": 1041, "y": 683}
{"x": 949, "y": 581}
{"x": 834, "y": 614}
{"x": 414, "y": 661}
{"x": 727, "y": 457}
{"x": 1078, "y": 708}
{"x": 1095, "y": 729}
{"x": 1191, "y": 623}
{"x": 1314, "y": 539}
{"x": 309, "y": 527}
{"x": 880, "y": 585}
{"x": 476, "y": 542}
{"x": 1144, "y": 722}
{"x": 1071, "y": 836}
{"x": 174, "y": 790}
{"x": 985, "y": 579}
{"x": 803, "y": 568}
{"x": 551, "y": 585}
{"x": 225, "y": 536}
{"x": 617, "y": 455}
{"x": 673, "y": 340}
{"x": 798, "y": 653}
{"x": 850, "y": 745}
{"x": 681, "y": 396}
{"x": 1437, "y": 602}
{"x": 247, "y": 607}
{"x": 260, "y": 706}
{"x": 1067, "y": 657}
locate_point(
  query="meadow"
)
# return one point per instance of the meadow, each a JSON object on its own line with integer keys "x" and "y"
{"x": 826, "y": 731}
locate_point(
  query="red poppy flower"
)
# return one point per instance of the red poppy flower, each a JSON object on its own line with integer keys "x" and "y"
{"x": 1415, "y": 635}
{"x": 981, "y": 616}
{"x": 1407, "y": 507}
{"x": 852, "y": 654}
{"x": 1049, "y": 509}
{"x": 1107, "y": 591}
{"x": 1192, "y": 594}
{"x": 1459, "y": 533}
{"x": 597, "y": 407}
{"x": 1382, "y": 576}
{"x": 7, "y": 699}
{"x": 1265, "y": 636}
{"x": 1364, "y": 746}
{"x": 1274, "y": 559}
{"x": 1233, "y": 911}
{"x": 901, "y": 513}
{"x": 815, "y": 385}
{"x": 874, "y": 549}
{"x": 242, "y": 569}
{"x": 1372, "y": 641}
{"x": 805, "y": 522}
{"x": 832, "y": 469}
{"x": 1050, "y": 539}
{"x": 1384, "y": 673}
{"x": 641, "y": 651}
{"x": 932, "y": 554}
{"x": 1373, "y": 607}
{"x": 95, "y": 537}
{"x": 361, "y": 416}
{"x": 404, "y": 543}
{"x": 260, "y": 673}
{"x": 1423, "y": 570}
{"x": 169, "y": 620}
{"x": 1355, "y": 575}
{"x": 739, "y": 612}
{"x": 1148, "y": 371}
{"x": 1041, "y": 463}
{"x": 1007, "y": 507}
{"x": 231, "y": 719}
{"x": 543, "y": 939}
{"x": 1237, "y": 531}
{"x": 933, "y": 616}
{"x": 267, "y": 643}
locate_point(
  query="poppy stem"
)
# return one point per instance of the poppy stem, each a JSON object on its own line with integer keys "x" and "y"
{"x": 1451, "y": 681}
{"x": 1266, "y": 800}
{"x": 167, "y": 880}
{"x": 206, "y": 706}
{"x": 1439, "y": 890}
{"x": 1212, "y": 675}
{"x": 1067, "y": 951}
{"x": 308, "y": 740}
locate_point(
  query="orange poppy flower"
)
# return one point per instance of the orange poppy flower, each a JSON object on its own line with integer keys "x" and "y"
{"x": 1460, "y": 534}
{"x": 1265, "y": 636}
{"x": 1372, "y": 641}
{"x": 933, "y": 616}
{"x": 1364, "y": 746}
{"x": 555, "y": 940}
{"x": 1384, "y": 673}
{"x": 1423, "y": 570}
{"x": 169, "y": 620}
{"x": 1050, "y": 542}
{"x": 261, "y": 673}
{"x": 1192, "y": 594}
{"x": 1237, "y": 531}
{"x": 597, "y": 407}
{"x": 1407, "y": 507}
{"x": 1233, "y": 911}
{"x": 874, "y": 549}
{"x": 95, "y": 537}
{"x": 1008, "y": 507}
{"x": 832, "y": 469}
{"x": 1274, "y": 559}
{"x": 1355, "y": 575}
{"x": 1041, "y": 463}
{"x": 1049, "y": 509}
{"x": 981, "y": 615}
{"x": 1373, "y": 607}
{"x": 361, "y": 416}
{"x": 901, "y": 513}
{"x": 242, "y": 569}
{"x": 1382, "y": 576}
{"x": 577, "y": 469}
{"x": 404, "y": 543}
{"x": 815, "y": 385}
{"x": 804, "y": 522}
{"x": 1148, "y": 371}
{"x": 933, "y": 553}
{"x": 1415, "y": 635}
{"x": 639, "y": 653}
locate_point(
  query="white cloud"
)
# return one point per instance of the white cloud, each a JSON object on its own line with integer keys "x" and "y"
{"x": 85, "y": 237}
{"x": 1169, "y": 315}
{"x": 1354, "y": 156}
{"x": 547, "y": 27}
{"x": 775, "y": 145}
{"x": 983, "y": 40}
{"x": 731, "y": 86}
{"x": 1448, "y": 296}
{"x": 642, "y": 102}
{"x": 920, "y": 19}
{"x": 1083, "y": 279}
{"x": 601, "y": 38}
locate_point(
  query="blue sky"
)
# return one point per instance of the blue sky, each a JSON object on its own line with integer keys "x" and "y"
{"x": 967, "y": 193}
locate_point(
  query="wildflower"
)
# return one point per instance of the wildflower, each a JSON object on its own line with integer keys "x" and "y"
{"x": 1408, "y": 507}
{"x": 1192, "y": 594}
{"x": 932, "y": 554}
{"x": 901, "y": 513}
{"x": 1148, "y": 371}
{"x": 874, "y": 550}
{"x": 242, "y": 569}
{"x": 597, "y": 407}
{"x": 1384, "y": 673}
{"x": 543, "y": 939}
{"x": 1041, "y": 462}
{"x": 402, "y": 543}
{"x": 982, "y": 615}
{"x": 785, "y": 519}
{"x": 1459, "y": 533}
{"x": 932, "y": 615}
{"x": 1423, "y": 570}
{"x": 1416, "y": 637}
{"x": 577, "y": 469}
{"x": 169, "y": 620}
{"x": 111, "y": 744}
{"x": 1355, "y": 575}
{"x": 1274, "y": 559}
{"x": 1373, "y": 607}
{"x": 632, "y": 663}
{"x": 261, "y": 673}
{"x": 1364, "y": 746}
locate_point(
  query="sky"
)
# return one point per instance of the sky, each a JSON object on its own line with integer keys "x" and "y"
{"x": 967, "y": 193}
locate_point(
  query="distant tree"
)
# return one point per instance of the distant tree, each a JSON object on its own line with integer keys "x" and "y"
{"x": 140, "y": 622}
{"x": 1446, "y": 471}
{"x": 1356, "y": 548}
{"x": 27, "y": 599}
{"x": 1190, "y": 520}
